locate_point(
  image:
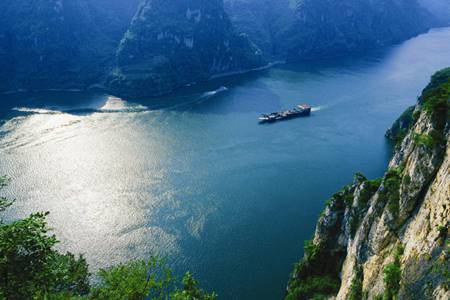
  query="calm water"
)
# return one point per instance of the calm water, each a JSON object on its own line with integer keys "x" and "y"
{"x": 194, "y": 177}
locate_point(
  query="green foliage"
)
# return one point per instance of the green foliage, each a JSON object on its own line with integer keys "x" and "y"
{"x": 436, "y": 99}
{"x": 416, "y": 115}
{"x": 135, "y": 280}
{"x": 443, "y": 231}
{"x": 370, "y": 188}
{"x": 317, "y": 275}
{"x": 442, "y": 265}
{"x": 311, "y": 250}
{"x": 378, "y": 297}
{"x": 392, "y": 276}
{"x": 391, "y": 191}
{"x": 406, "y": 179}
{"x": 138, "y": 280}
{"x": 356, "y": 287}
{"x": 314, "y": 287}
{"x": 401, "y": 126}
{"x": 31, "y": 267}
{"x": 4, "y": 203}
{"x": 424, "y": 140}
{"x": 191, "y": 291}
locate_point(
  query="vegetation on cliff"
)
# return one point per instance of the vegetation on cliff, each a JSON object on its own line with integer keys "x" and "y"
{"x": 391, "y": 234}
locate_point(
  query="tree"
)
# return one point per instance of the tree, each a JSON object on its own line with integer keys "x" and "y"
{"x": 134, "y": 281}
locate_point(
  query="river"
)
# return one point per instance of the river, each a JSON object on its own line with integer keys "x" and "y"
{"x": 194, "y": 177}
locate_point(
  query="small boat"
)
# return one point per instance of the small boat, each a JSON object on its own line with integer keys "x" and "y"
{"x": 302, "y": 110}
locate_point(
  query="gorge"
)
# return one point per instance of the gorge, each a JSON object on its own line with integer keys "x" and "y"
{"x": 135, "y": 125}
{"x": 193, "y": 177}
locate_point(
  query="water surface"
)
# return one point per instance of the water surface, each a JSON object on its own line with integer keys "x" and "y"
{"x": 194, "y": 177}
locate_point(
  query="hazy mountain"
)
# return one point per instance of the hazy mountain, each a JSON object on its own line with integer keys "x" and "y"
{"x": 173, "y": 43}
{"x": 265, "y": 22}
{"x": 54, "y": 44}
{"x": 439, "y": 8}
{"x": 325, "y": 28}
{"x": 155, "y": 46}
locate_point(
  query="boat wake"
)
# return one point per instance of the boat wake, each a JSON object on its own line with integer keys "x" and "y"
{"x": 112, "y": 105}
{"x": 317, "y": 108}
{"x": 203, "y": 97}
{"x": 215, "y": 92}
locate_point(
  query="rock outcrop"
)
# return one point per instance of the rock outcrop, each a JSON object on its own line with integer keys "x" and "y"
{"x": 174, "y": 43}
{"x": 389, "y": 238}
{"x": 325, "y": 29}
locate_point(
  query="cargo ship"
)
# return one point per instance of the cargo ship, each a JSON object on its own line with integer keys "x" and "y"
{"x": 302, "y": 110}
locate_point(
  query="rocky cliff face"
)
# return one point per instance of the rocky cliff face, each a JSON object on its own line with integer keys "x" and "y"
{"x": 389, "y": 238}
{"x": 57, "y": 44}
{"x": 325, "y": 28}
{"x": 173, "y": 43}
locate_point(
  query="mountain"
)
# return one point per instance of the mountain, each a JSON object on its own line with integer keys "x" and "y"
{"x": 265, "y": 22}
{"x": 58, "y": 44}
{"x": 173, "y": 43}
{"x": 151, "y": 47}
{"x": 439, "y": 8}
{"x": 389, "y": 238}
{"x": 325, "y": 28}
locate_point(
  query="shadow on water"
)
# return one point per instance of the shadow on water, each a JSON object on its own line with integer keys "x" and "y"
{"x": 50, "y": 102}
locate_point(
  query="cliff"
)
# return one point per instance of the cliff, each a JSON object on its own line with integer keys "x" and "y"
{"x": 174, "y": 43}
{"x": 389, "y": 238}
{"x": 325, "y": 28}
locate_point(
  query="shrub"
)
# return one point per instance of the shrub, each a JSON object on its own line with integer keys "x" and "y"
{"x": 391, "y": 191}
{"x": 370, "y": 188}
{"x": 393, "y": 275}
{"x": 315, "y": 287}
{"x": 356, "y": 287}
{"x": 443, "y": 230}
{"x": 424, "y": 140}
{"x": 311, "y": 250}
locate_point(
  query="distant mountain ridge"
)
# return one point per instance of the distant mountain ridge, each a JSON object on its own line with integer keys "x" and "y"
{"x": 137, "y": 48}
{"x": 325, "y": 28}
{"x": 439, "y": 8}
